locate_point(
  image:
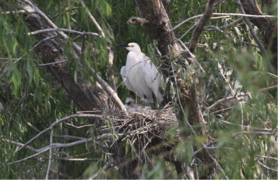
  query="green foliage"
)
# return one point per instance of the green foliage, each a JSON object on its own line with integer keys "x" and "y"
{"x": 31, "y": 99}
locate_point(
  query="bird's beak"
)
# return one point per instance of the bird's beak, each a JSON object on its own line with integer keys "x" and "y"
{"x": 123, "y": 45}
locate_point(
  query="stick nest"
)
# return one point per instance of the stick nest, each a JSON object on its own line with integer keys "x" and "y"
{"x": 140, "y": 124}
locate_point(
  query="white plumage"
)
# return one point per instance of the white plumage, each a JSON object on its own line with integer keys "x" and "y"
{"x": 132, "y": 107}
{"x": 140, "y": 75}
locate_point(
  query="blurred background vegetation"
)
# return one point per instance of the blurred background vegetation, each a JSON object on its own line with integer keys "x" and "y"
{"x": 31, "y": 99}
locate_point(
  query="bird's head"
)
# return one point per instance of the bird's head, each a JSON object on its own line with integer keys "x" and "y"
{"x": 129, "y": 101}
{"x": 132, "y": 47}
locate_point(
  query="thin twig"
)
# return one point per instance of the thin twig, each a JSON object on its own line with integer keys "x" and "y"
{"x": 37, "y": 10}
{"x": 79, "y": 127}
{"x": 54, "y": 17}
{"x": 248, "y": 127}
{"x": 33, "y": 127}
{"x": 20, "y": 144}
{"x": 64, "y": 30}
{"x": 56, "y": 123}
{"x": 258, "y": 133}
{"x": 269, "y": 88}
{"x": 14, "y": 12}
{"x": 250, "y": 27}
{"x": 269, "y": 157}
{"x": 267, "y": 166}
{"x": 200, "y": 26}
{"x": 92, "y": 18}
{"x": 50, "y": 154}
{"x": 5, "y": 72}
{"x": 192, "y": 56}
{"x": 220, "y": 14}
{"x": 232, "y": 91}
{"x": 188, "y": 31}
{"x": 220, "y": 101}
{"x": 82, "y": 46}
{"x": 111, "y": 92}
{"x": 49, "y": 64}
{"x": 111, "y": 71}
{"x": 231, "y": 24}
{"x": 77, "y": 49}
{"x": 29, "y": 157}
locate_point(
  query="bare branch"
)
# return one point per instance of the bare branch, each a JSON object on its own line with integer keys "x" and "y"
{"x": 250, "y": 27}
{"x": 50, "y": 154}
{"x": 232, "y": 24}
{"x": 259, "y": 133}
{"x": 106, "y": 87}
{"x": 82, "y": 46}
{"x": 29, "y": 157}
{"x": 68, "y": 137}
{"x": 64, "y": 30}
{"x": 14, "y": 12}
{"x": 49, "y": 64}
{"x": 248, "y": 127}
{"x": 92, "y": 18}
{"x": 33, "y": 9}
{"x": 220, "y": 101}
{"x": 79, "y": 159}
{"x": 55, "y": 145}
{"x": 220, "y": 14}
{"x": 192, "y": 56}
{"x": 200, "y": 26}
{"x": 111, "y": 92}
{"x": 111, "y": 71}
{"x": 20, "y": 144}
{"x": 232, "y": 91}
{"x": 267, "y": 166}
{"x": 54, "y": 17}
{"x": 188, "y": 31}
{"x": 269, "y": 88}
{"x": 16, "y": 60}
{"x": 56, "y": 123}
{"x": 269, "y": 157}
{"x": 33, "y": 127}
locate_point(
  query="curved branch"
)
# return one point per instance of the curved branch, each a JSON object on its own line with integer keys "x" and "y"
{"x": 200, "y": 26}
{"x": 251, "y": 28}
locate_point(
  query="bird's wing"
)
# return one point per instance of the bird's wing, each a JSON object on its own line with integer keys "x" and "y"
{"x": 125, "y": 79}
{"x": 152, "y": 77}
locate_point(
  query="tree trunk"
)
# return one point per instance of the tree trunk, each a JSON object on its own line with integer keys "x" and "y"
{"x": 267, "y": 27}
{"x": 156, "y": 20}
{"x": 87, "y": 98}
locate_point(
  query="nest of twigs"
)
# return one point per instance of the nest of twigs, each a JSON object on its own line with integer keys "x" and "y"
{"x": 140, "y": 124}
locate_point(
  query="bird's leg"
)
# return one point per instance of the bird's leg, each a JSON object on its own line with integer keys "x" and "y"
{"x": 154, "y": 101}
{"x": 134, "y": 95}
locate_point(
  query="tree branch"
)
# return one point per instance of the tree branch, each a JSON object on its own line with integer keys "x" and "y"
{"x": 111, "y": 71}
{"x": 50, "y": 154}
{"x": 200, "y": 26}
{"x": 92, "y": 18}
{"x": 221, "y": 14}
{"x": 64, "y": 30}
{"x": 250, "y": 27}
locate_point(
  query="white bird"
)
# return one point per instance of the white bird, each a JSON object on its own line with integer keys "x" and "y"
{"x": 131, "y": 106}
{"x": 140, "y": 75}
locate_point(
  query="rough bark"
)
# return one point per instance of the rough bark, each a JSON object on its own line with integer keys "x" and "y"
{"x": 156, "y": 20}
{"x": 267, "y": 27}
{"x": 87, "y": 98}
